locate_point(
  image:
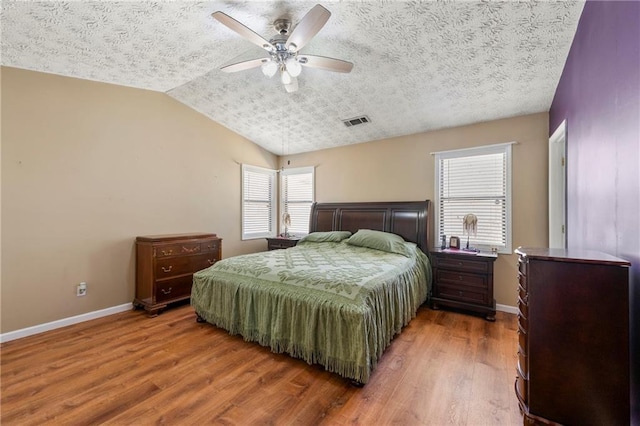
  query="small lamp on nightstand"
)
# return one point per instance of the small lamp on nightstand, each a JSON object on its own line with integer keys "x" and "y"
{"x": 286, "y": 221}
{"x": 469, "y": 226}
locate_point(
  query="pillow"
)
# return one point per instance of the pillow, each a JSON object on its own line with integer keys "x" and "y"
{"x": 379, "y": 240}
{"x": 330, "y": 236}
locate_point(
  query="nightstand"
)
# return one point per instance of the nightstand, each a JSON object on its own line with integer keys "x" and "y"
{"x": 281, "y": 243}
{"x": 463, "y": 280}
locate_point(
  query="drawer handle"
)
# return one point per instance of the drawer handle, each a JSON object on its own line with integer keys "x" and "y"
{"x": 211, "y": 262}
{"x": 168, "y": 291}
{"x": 459, "y": 277}
{"x": 210, "y": 246}
{"x": 167, "y": 253}
{"x": 167, "y": 269}
{"x": 188, "y": 250}
{"x": 459, "y": 263}
{"x": 460, "y": 293}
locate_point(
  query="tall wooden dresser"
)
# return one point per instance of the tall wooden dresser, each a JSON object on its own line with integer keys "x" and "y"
{"x": 165, "y": 265}
{"x": 573, "y": 325}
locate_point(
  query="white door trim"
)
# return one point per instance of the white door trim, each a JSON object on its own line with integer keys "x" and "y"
{"x": 558, "y": 187}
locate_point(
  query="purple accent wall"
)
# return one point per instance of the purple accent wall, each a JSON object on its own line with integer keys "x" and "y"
{"x": 599, "y": 96}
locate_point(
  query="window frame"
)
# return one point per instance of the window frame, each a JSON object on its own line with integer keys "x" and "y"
{"x": 503, "y": 148}
{"x": 272, "y": 200}
{"x": 283, "y": 202}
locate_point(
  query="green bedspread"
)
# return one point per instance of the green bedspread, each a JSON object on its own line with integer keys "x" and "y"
{"x": 328, "y": 303}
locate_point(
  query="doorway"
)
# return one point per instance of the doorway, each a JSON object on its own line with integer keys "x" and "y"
{"x": 558, "y": 187}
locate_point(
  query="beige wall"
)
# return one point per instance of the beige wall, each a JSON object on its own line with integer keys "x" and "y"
{"x": 88, "y": 166}
{"x": 403, "y": 169}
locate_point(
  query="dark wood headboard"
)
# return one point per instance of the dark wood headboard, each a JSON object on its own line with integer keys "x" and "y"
{"x": 408, "y": 219}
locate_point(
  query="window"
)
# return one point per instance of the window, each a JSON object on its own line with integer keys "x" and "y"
{"x": 477, "y": 181}
{"x": 258, "y": 202}
{"x": 296, "y": 192}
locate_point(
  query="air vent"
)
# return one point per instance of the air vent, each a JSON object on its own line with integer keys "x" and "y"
{"x": 355, "y": 121}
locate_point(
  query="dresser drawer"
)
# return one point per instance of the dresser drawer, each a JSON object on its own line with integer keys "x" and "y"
{"x": 174, "y": 266}
{"x": 166, "y": 250}
{"x": 462, "y": 293}
{"x": 523, "y": 340}
{"x": 205, "y": 262}
{"x": 460, "y": 263}
{"x": 523, "y": 295}
{"x": 210, "y": 246}
{"x": 461, "y": 278}
{"x": 522, "y": 281}
{"x": 523, "y": 364}
{"x": 523, "y": 308}
{"x": 521, "y": 388}
{"x": 173, "y": 288}
{"x": 281, "y": 243}
{"x": 276, "y": 245}
{"x": 522, "y": 266}
{"x": 523, "y": 321}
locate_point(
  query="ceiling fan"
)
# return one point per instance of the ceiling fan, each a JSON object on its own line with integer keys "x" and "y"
{"x": 284, "y": 47}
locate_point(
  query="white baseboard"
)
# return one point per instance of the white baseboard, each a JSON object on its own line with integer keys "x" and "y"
{"x": 507, "y": 308}
{"x": 41, "y": 328}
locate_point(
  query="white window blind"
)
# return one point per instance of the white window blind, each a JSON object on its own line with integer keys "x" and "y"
{"x": 297, "y": 190}
{"x": 476, "y": 181}
{"x": 258, "y": 202}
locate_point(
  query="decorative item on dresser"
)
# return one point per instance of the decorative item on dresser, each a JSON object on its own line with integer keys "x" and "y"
{"x": 470, "y": 226}
{"x": 281, "y": 243}
{"x": 165, "y": 265}
{"x": 463, "y": 280}
{"x": 286, "y": 222}
{"x": 573, "y": 326}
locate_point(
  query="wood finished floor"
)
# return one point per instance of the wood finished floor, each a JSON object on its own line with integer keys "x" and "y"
{"x": 445, "y": 368}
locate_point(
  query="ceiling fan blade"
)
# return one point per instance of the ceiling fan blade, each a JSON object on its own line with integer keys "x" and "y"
{"x": 244, "y": 65}
{"x": 309, "y": 26}
{"x": 324, "y": 63}
{"x": 293, "y": 86}
{"x": 244, "y": 31}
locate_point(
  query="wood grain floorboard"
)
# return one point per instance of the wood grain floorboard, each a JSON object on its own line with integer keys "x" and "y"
{"x": 127, "y": 369}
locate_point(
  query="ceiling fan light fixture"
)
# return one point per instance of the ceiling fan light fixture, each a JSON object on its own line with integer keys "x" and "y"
{"x": 284, "y": 47}
{"x": 269, "y": 68}
{"x": 286, "y": 77}
{"x": 293, "y": 67}
{"x": 290, "y": 88}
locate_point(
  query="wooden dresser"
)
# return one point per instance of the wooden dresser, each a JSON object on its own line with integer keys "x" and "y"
{"x": 463, "y": 280}
{"x": 573, "y": 326}
{"x": 165, "y": 265}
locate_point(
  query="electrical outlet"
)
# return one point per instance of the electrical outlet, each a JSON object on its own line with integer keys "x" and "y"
{"x": 81, "y": 290}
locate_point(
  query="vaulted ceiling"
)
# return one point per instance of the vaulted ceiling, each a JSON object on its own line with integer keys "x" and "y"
{"x": 418, "y": 65}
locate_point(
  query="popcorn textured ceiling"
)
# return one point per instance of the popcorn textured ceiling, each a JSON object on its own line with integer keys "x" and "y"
{"x": 418, "y": 65}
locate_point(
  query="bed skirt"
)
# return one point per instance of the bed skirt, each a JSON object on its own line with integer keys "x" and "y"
{"x": 347, "y": 337}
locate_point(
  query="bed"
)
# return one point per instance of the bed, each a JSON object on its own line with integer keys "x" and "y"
{"x": 338, "y": 297}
